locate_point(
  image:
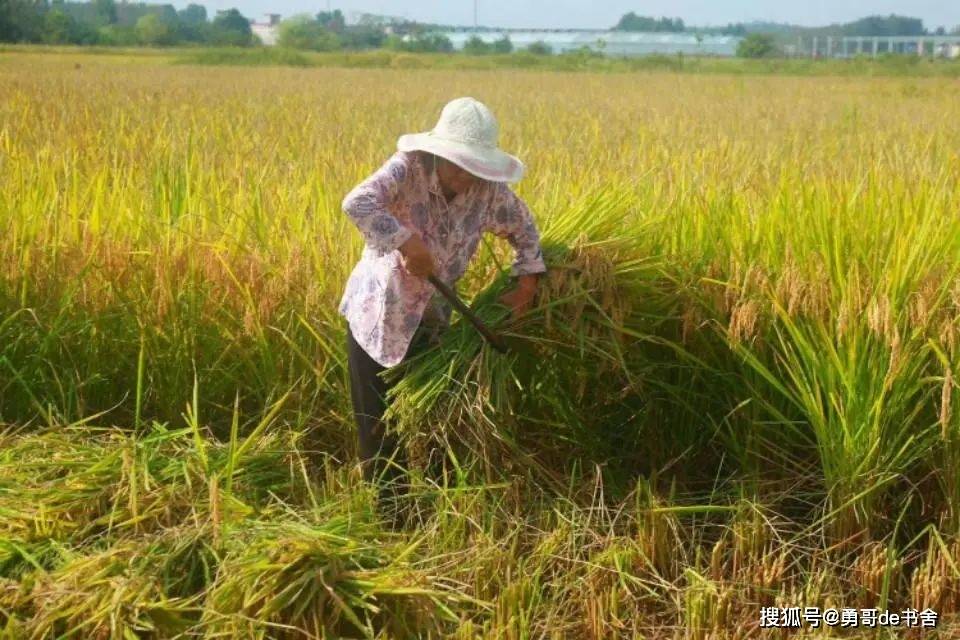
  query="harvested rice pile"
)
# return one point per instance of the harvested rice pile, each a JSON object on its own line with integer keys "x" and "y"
{"x": 572, "y": 377}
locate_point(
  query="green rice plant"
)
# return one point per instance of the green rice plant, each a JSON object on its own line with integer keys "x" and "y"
{"x": 517, "y": 607}
{"x": 100, "y": 481}
{"x": 116, "y": 593}
{"x": 703, "y": 612}
{"x": 862, "y": 401}
{"x": 19, "y": 557}
{"x": 949, "y": 445}
{"x": 611, "y": 590}
{"x": 327, "y": 579}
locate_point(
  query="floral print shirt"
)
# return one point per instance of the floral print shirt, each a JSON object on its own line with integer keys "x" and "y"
{"x": 383, "y": 303}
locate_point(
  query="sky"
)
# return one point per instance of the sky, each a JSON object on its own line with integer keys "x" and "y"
{"x": 605, "y": 13}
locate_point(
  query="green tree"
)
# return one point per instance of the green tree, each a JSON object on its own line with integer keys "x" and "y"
{"x": 21, "y": 20}
{"x": 193, "y": 14}
{"x": 892, "y": 25}
{"x": 168, "y": 13}
{"x": 738, "y": 29}
{"x": 476, "y": 47}
{"x": 85, "y": 33}
{"x": 332, "y": 20}
{"x": 153, "y": 30}
{"x": 362, "y": 37}
{"x": 231, "y": 29}
{"x": 633, "y": 22}
{"x": 540, "y": 48}
{"x": 303, "y": 32}
{"x": 421, "y": 43}
{"x": 503, "y": 45}
{"x": 757, "y": 45}
{"x": 118, "y": 35}
{"x": 394, "y": 43}
{"x": 106, "y": 11}
{"x": 58, "y": 27}
{"x": 192, "y": 23}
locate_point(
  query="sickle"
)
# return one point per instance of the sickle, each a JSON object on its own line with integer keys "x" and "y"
{"x": 495, "y": 341}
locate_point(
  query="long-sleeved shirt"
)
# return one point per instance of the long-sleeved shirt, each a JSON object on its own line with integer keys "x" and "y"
{"x": 383, "y": 303}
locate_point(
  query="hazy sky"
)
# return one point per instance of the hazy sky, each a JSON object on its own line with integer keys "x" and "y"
{"x": 605, "y": 13}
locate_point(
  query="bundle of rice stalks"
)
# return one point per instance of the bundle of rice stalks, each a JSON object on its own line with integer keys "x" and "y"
{"x": 19, "y": 557}
{"x": 572, "y": 378}
{"x": 295, "y": 579}
{"x": 79, "y": 483}
{"x": 129, "y": 590}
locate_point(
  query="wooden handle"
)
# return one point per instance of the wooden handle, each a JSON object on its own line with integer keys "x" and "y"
{"x": 495, "y": 341}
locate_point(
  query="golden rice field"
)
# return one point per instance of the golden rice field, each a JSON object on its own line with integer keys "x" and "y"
{"x": 738, "y": 390}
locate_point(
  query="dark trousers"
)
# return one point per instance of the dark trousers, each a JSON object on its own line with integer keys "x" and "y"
{"x": 383, "y": 459}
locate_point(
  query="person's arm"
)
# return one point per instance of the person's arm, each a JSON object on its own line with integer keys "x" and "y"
{"x": 510, "y": 218}
{"x": 367, "y": 206}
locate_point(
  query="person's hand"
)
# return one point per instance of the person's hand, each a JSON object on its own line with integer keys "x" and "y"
{"x": 520, "y": 298}
{"x": 417, "y": 259}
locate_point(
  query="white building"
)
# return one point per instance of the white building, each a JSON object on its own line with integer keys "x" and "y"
{"x": 267, "y": 31}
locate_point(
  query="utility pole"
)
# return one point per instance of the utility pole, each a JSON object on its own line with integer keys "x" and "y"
{"x": 476, "y": 13}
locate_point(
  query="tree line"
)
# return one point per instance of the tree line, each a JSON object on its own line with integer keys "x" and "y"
{"x": 328, "y": 31}
{"x": 106, "y": 22}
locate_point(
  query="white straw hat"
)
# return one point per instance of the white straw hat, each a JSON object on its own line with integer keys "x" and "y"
{"x": 466, "y": 135}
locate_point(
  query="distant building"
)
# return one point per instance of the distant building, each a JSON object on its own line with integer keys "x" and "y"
{"x": 851, "y": 46}
{"x": 946, "y": 49}
{"x": 267, "y": 31}
{"x": 611, "y": 43}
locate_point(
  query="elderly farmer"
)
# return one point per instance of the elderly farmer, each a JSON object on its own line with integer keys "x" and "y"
{"x": 422, "y": 213}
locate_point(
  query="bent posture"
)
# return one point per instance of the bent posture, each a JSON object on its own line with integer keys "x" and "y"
{"x": 421, "y": 214}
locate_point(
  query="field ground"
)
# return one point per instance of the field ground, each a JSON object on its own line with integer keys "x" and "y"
{"x": 738, "y": 390}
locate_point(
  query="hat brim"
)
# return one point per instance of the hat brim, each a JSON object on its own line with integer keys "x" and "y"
{"x": 490, "y": 164}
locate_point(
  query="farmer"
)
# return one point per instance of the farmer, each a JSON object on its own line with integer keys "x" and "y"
{"x": 421, "y": 214}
